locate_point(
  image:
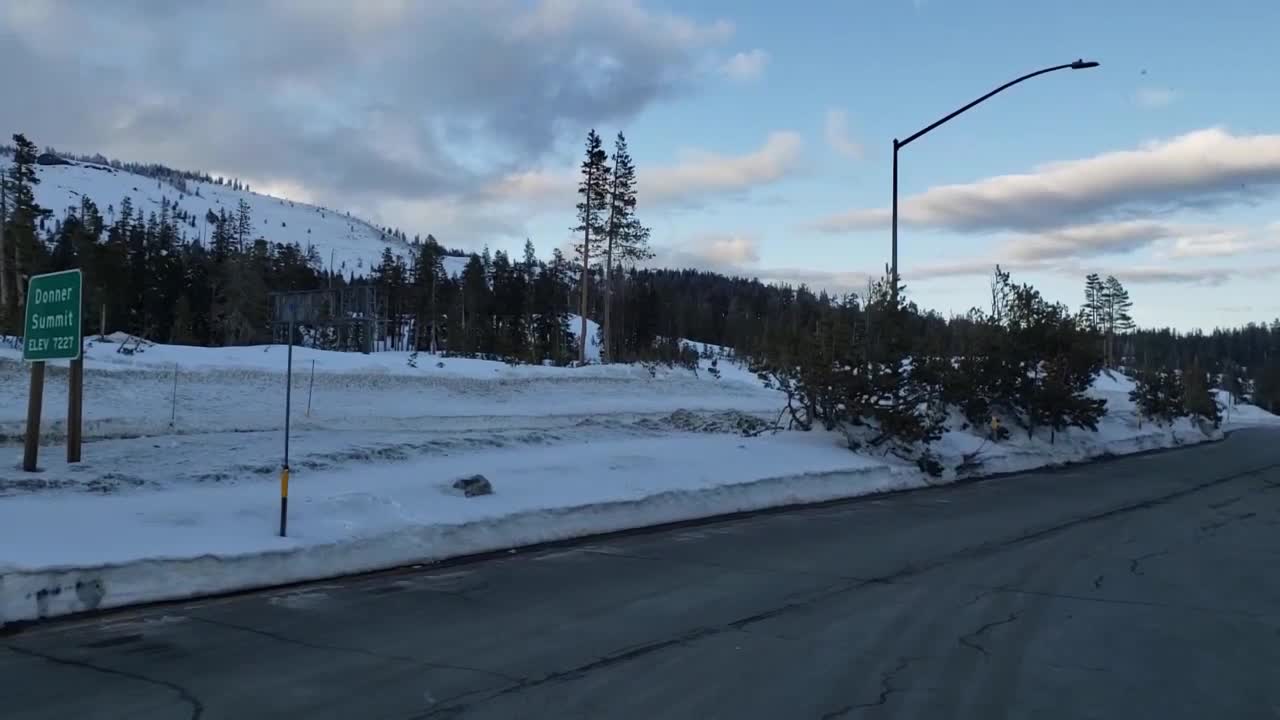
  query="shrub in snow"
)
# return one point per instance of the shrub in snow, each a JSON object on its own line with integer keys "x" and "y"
{"x": 1029, "y": 361}
{"x": 473, "y": 485}
{"x": 858, "y": 378}
{"x": 714, "y": 370}
{"x": 1197, "y": 399}
{"x": 1158, "y": 395}
{"x": 929, "y": 463}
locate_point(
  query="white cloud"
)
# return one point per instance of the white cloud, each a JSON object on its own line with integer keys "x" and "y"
{"x": 731, "y": 250}
{"x": 738, "y": 254}
{"x": 1221, "y": 244}
{"x": 1085, "y": 240}
{"x": 699, "y": 173}
{"x": 746, "y": 66}
{"x": 694, "y": 176}
{"x": 353, "y": 101}
{"x": 1154, "y": 97}
{"x": 836, "y": 131}
{"x": 1163, "y": 274}
{"x": 726, "y": 252}
{"x": 1205, "y": 168}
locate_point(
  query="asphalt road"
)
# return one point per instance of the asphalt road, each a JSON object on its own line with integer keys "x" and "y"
{"x": 1146, "y": 587}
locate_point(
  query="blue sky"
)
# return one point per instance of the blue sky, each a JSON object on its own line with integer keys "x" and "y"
{"x": 762, "y": 131}
{"x": 1168, "y": 69}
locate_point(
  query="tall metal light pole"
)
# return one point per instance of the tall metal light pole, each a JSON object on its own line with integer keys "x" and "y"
{"x": 899, "y": 144}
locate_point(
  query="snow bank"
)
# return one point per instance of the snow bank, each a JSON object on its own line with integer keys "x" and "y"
{"x": 194, "y": 511}
{"x": 126, "y": 549}
{"x": 183, "y": 390}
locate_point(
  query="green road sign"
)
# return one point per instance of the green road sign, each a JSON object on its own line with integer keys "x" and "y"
{"x": 52, "y": 329}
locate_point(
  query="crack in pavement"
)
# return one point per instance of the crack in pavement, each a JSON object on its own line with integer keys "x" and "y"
{"x": 1217, "y": 524}
{"x": 1138, "y": 603}
{"x": 988, "y": 592}
{"x": 970, "y": 639}
{"x": 886, "y": 689}
{"x": 1097, "y": 582}
{"x": 718, "y": 566}
{"x": 346, "y": 649}
{"x": 811, "y": 599}
{"x": 448, "y": 710}
{"x": 1226, "y": 503}
{"x": 197, "y": 707}
{"x": 1135, "y": 564}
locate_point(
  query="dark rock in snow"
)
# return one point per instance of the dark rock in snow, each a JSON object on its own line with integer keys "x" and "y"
{"x": 473, "y": 486}
{"x": 51, "y": 159}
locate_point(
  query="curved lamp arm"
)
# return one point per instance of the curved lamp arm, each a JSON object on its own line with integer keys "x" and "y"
{"x": 1077, "y": 65}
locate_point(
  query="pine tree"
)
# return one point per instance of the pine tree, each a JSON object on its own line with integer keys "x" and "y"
{"x": 1091, "y": 312}
{"x": 1198, "y": 401}
{"x": 1115, "y": 316}
{"x": 19, "y": 244}
{"x": 551, "y": 322}
{"x": 1232, "y": 381}
{"x": 428, "y": 276}
{"x": 244, "y": 224}
{"x": 594, "y": 191}
{"x": 1266, "y": 386}
{"x": 1159, "y": 395}
{"x": 476, "y": 299}
{"x": 529, "y": 269}
{"x": 622, "y": 205}
{"x": 5, "y": 302}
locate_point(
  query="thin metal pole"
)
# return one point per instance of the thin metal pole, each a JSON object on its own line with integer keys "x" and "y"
{"x": 284, "y": 471}
{"x": 894, "y": 262}
{"x": 311, "y": 386}
{"x": 173, "y": 412}
{"x": 288, "y": 395}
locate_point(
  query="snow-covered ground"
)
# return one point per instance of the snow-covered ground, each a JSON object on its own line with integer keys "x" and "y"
{"x": 349, "y": 243}
{"x": 158, "y": 512}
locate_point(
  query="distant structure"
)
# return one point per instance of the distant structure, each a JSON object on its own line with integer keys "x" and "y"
{"x": 51, "y": 159}
{"x": 347, "y": 319}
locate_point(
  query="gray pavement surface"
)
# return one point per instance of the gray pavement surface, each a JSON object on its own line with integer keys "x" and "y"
{"x": 1146, "y": 587}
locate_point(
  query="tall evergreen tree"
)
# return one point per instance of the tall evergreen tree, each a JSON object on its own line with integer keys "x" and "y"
{"x": 20, "y": 248}
{"x": 244, "y": 224}
{"x": 594, "y": 192}
{"x": 529, "y": 269}
{"x": 1116, "y": 317}
{"x": 622, "y": 205}
{"x": 1091, "y": 312}
{"x": 427, "y": 277}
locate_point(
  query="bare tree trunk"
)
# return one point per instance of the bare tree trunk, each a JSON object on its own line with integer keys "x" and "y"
{"x": 606, "y": 348}
{"x": 4, "y": 260}
{"x": 434, "y": 317}
{"x": 586, "y": 272}
{"x": 582, "y": 309}
{"x": 18, "y": 269}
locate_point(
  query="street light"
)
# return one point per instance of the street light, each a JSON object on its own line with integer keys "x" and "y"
{"x": 899, "y": 144}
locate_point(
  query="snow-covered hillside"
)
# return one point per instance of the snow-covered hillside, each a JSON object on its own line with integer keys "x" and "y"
{"x": 352, "y": 244}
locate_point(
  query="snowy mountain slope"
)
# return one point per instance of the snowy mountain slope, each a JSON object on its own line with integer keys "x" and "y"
{"x": 350, "y": 243}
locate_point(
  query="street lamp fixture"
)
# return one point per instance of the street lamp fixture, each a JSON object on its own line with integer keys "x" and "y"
{"x": 899, "y": 144}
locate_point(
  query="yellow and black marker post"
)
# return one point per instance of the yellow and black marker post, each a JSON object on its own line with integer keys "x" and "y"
{"x": 288, "y": 401}
{"x": 284, "y": 498}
